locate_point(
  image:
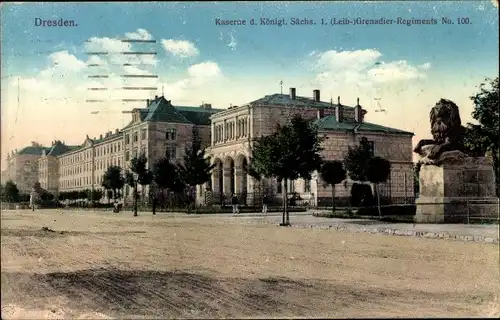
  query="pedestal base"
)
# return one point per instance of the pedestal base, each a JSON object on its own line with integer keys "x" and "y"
{"x": 455, "y": 209}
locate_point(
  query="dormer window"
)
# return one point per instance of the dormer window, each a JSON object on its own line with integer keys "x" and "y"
{"x": 171, "y": 134}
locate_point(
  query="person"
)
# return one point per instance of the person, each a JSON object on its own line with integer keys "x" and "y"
{"x": 32, "y": 199}
{"x": 234, "y": 202}
{"x": 264, "y": 204}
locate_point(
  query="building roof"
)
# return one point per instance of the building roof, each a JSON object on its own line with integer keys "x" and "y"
{"x": 285, "y": 100}
{"x": 161, "y": 110}
{"x": 99, "y": 140}
{"x": 197, "y": 115}
{"x": 35, "y": 150}
{"x": 330, "y": 123}
{"x": 59, "y": 148}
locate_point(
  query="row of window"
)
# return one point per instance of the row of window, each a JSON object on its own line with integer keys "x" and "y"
{"x": 135, "y": 136}
{"x": 82, "y": 181}
{"x": 231, "y": 130}
{"x": 87, "y": 155}
{"x": 87, "y": 167}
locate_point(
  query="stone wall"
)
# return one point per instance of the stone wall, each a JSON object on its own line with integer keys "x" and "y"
{"x": 395, "y": 148}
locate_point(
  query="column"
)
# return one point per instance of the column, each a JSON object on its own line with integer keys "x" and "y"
{"x": 238, "y": 187}
{"x": 227, "y": 181}
{"x": 212, "y": 134}
{"x": 224, "y": 131}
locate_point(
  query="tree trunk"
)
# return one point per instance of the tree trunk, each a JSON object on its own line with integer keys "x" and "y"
{"x": 154, "y": 204}
{"x": 135, "y": 201}
{"x": 333, "y": 198}
{"x": 378, "y": 201}
{"x": 286, "y": 214}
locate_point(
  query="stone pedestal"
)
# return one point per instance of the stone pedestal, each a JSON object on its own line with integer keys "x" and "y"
{"x": 457, "y": 192}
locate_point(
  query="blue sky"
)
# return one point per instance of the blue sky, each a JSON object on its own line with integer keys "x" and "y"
{"x": 199, "y": 61}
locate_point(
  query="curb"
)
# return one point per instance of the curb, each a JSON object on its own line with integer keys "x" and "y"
{"x": 407, "y": 233}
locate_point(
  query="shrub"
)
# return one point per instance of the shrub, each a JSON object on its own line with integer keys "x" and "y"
{"x": 361, "y": 195}
{"x": 394, "y": 210}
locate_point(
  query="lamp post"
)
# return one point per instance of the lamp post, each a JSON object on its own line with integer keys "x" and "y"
{"x": 136, "y": 177}
{"x": 152, "y": 191}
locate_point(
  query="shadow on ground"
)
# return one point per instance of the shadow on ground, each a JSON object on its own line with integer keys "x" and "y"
{"x": 365, "y": 222}
{"x": 178, "y": 294}
{"x": 47, "y": 232}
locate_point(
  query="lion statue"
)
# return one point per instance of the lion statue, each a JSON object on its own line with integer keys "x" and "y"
{"x": 446, "y": 129}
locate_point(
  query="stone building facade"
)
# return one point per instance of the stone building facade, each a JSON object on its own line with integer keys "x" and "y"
{"x": 157, "y": 130}
{"x": 233, "y": 131}
{"x": 22, "y": 167}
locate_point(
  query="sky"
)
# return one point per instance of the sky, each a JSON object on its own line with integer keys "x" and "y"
{"x": 47, "y": 94}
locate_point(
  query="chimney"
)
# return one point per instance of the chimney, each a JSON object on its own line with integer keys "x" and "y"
{"x": 156, "y": 97}
{"x": 320, "y": 113}
{"x": 339, "y": 112}
{"x": 100, "y": 136}
{"x": 116, "y": 131}
{"x": 292, "y": 93}
{"x": 358, "y": 113}
{"x": 147, "y": 103}
{"x": 338, "y": 100}
{"x": 316, "y": 96}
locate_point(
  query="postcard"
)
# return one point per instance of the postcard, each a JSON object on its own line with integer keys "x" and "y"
{"x": 249, "y": 159}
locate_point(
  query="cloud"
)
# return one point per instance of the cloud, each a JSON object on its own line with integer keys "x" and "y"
{"x": 105, "y": 44}
{"x": 180, "y": 48}
{"x": 199, "y": 76}
{"x": 425, "y": 66}
{"x": 140, "y": 34}
{"x": 206, "y": 70}
{"x": 66, "y": 61}
{"x": 363, "y": 68}
{"x": 395, "y": 71}
{"x": 231, "y": 43}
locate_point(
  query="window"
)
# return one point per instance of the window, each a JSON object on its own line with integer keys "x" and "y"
{"x": 307, "y": 186}
{"x": 371, "y": 146}
{"x": 171, "y": 134}
{"x": 171, "y": 152}
{"x": 143, "y": 150}
{"x": 279, "y": 186}
{"x": 143, "y": 134}
{"x": 127, "y": 156}
{"x": 127, "y": 139}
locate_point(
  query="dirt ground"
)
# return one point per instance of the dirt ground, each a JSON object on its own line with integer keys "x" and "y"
{"x": 102, "y": 266}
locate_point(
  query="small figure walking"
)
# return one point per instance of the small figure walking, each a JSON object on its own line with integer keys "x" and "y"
{"x": 234, "y": 202}
{"x": 32, "y": 199}
{"x": 264, "y": 204}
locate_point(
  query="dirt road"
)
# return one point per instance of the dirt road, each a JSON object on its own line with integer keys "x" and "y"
{"x": 86, "y": 265}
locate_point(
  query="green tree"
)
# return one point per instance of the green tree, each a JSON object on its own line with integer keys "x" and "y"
{"x": 11, "y": 192}
{"x": 138, "y": 174}
{"x": 291, "y": 152}
{"x": 356, "y": 160}
{"x": 166, "y": 176}
{"x": 97, "y": 195}
{"x": 195, "y": 168}
{"x": 332, "y": 173}
{"x": 377, "y": 171}
{"x": 482, "y": 138}
{"x": 113, "y": 180}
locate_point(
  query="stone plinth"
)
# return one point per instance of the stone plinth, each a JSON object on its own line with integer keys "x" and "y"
{"x": 457, "y": 192}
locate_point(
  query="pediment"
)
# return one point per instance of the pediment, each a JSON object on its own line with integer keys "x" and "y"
{"x": 87, "y": 143}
